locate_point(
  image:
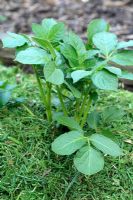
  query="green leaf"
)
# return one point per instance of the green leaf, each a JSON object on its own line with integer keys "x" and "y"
{"x": 93, "y": 119}
{"x": 69, "y": 122}
{"x": 13, "y": 40}
{"x": 49, "y": 30}
{"x": 88, "y": 161}
{"x": 124, "y": 58}
{"x": 126, "y": 75}
{"x": 52, "y": 74}
{"x": 106, "y": 145}
{"x": 105, "y": 41}
{"x": 76, "y": 42}
{"x": 122, "y": 45}
{"x": 112, "y": 113}
{"x": 105, "y": 80}
{"x": 47, "y": 25}
{"x": 76, "y": 93}
{"x": 79, "y": 74}
{"x": 38, "y": 30}
{"x": 114, "y": 70}
{"x": 22, "y": 48}
{"x": 68, "y": 143}
{"x": 107, "y": 133}
{"x": 45, "y": 44}
{"x": 70, "y": 53}
{"x": 96, "y": 26}
{"x": 33, "y": 55}
{"x": 59, "y": 60}
{"x": 90, "y": 63}
{"x": 92, "y": 53}
{"x": 99, "y": 65}
{"x": 57, "y": 32}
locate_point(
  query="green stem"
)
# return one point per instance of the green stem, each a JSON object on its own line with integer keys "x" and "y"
{"x": 86, "y": 112}
{"x": 49, "y": 107}
{"x": 46, "y": 45}
{"x": 52, "y": 51}
{"x": 40, "y": 87}
{"x": 82, "y": 107}
{"x": 42, "y": 94}
{"x": 77, "y": 105}
{"x": 61, "y": 101}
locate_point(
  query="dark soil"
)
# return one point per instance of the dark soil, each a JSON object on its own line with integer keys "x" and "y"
{"x": 19, "y": 14}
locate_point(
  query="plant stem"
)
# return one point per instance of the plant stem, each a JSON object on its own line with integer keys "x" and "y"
{"x": 86, "y": 112}
{"x": 52, "y": 51}
{"x": 77, "y": 105}
{"x": 43, "y": 97}
{"x": 82, "y": 107}
{"x": 49, "y": 107}
{"x": 40, "y": 87}
{"x": 61, "y": 101}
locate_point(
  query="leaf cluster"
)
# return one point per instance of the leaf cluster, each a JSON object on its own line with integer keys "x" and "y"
{"x": 88, "y": 159}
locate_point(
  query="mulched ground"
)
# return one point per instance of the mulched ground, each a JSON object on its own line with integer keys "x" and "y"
{"x": 19, "y": 14}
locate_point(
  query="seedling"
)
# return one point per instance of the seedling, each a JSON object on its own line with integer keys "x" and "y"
{"x": 69, "y": 74}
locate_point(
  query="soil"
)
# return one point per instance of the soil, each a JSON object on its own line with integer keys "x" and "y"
{"x": 17, "y": 15}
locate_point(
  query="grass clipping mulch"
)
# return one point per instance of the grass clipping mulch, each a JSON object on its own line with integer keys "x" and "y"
{"x": 29, "y": 170}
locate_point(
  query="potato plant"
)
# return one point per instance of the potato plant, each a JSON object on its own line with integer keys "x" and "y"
{"x": 69, "y": 74}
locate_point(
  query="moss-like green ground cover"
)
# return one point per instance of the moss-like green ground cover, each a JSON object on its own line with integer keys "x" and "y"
{"x": 29, "y": 170}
